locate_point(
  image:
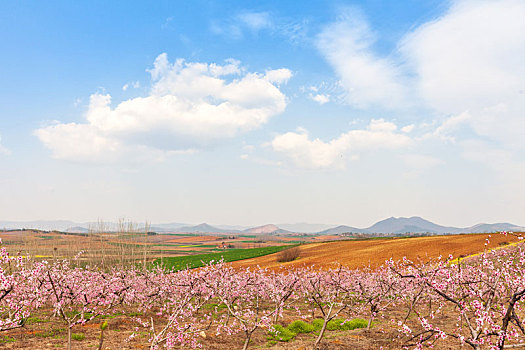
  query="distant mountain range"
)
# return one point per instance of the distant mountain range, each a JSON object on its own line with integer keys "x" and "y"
{"x": 391, "y": 225}
{"x": 204, "y": 228}
{"x": 416, "y": 224}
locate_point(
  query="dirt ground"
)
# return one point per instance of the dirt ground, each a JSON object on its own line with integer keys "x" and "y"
{"x": 46, "y": 332}
{"x": 374, "y": 252}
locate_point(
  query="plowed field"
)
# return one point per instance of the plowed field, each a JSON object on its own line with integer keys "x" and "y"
{"x": 374, "y": 252}
{"x": 194, "y": 239}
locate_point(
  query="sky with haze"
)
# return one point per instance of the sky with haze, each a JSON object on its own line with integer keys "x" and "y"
{"x": 256, "y": 112}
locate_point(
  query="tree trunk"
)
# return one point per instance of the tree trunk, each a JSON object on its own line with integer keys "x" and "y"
{"x": 68, "y": 337}
{"x": 101, "y": 339}
{"x": 318, "y": 340}
{"x": 247, "y": 341}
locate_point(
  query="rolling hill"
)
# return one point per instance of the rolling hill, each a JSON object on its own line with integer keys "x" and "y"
{"x": 269, "y": 229}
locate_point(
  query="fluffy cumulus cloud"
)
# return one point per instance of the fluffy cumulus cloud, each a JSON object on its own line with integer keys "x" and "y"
{"x": 317, "y": 154}
{"x": 470, "y": 62}
{"x": 466, "y": 68}
{"x": 368, "y": 79}
{"x": 190, "y": 106}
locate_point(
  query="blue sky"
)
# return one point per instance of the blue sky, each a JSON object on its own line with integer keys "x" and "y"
{"x": 248, "y": 113}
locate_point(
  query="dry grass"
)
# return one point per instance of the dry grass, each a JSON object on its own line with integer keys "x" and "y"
{"x": 288, "y": 254}
{"x": 129, "y": 245}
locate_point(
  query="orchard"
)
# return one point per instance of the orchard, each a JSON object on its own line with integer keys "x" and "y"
{"x": 476, "y": 303}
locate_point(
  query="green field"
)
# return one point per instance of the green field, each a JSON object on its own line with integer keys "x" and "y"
{"x": 192, "y": 261}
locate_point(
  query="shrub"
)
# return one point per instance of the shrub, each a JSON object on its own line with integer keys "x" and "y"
{"x": 300, "y": 327}
{"x": 339, "y": 324}
{"x": 288, "y": 254}
{"x": 317, "y": 324}
{"x": 344, "y": 325}
{"x": 280, "y": 333}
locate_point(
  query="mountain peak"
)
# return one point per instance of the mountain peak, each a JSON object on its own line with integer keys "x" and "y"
{"x": 266, "y": 229}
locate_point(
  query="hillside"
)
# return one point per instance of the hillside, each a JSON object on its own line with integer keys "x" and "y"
{"x": 266, "y": 230}
{"x": 374, "y": 252}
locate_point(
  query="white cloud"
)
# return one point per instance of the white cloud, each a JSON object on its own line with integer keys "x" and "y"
{"x": 190, "y": 105}
{"x": 278, "y": 76}
{"x": 470, "y": 61}
{"x": 447, "y": 130}
{"x": 470, "y": 56}
{"x": 252, "y": 22}
{"x": 408, "y": 128}
{"x": 464, "y": 68}
{"x": 317, "y": 154}
{"x": 135, "y": 85}
{"x": 255, "y": 20}
{"x": 320, "y": 98}
{"x": 368, "y": 79}
{"x": 78, "y": 141}
{"x": 235, "y": 27}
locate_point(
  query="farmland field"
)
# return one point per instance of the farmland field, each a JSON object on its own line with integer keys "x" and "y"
{"x": 374, "y": 252}
{"x": 125, "y": 248}
{"x": 199, "y": 260}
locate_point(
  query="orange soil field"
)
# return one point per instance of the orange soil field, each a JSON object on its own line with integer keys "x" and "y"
{"x": 194, "y": 239}
{"x": 327, "y": 237}
{"x": 358, "y": 254}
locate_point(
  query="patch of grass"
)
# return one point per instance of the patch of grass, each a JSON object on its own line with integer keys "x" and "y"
{"x": 78, "y": 336}
{"x": 33, "y": 320}
{"x": 212, "y": 306}
{"x": 6, "y": 339}
{"x": 181, "y": 234}
{"x": 340, "y": 324}
{"x": 73, "y": 313}
{"x": 135, "y": 314}
{"x": 50, "y": 333}
{"x": 177, "y": 263}
{"x": 281, "y": 334}
{"x": 48, "y": 237}
{"x": 285, "y": 334}
{"x": 317, "y": 324}
{"x": 300, "y": 326}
